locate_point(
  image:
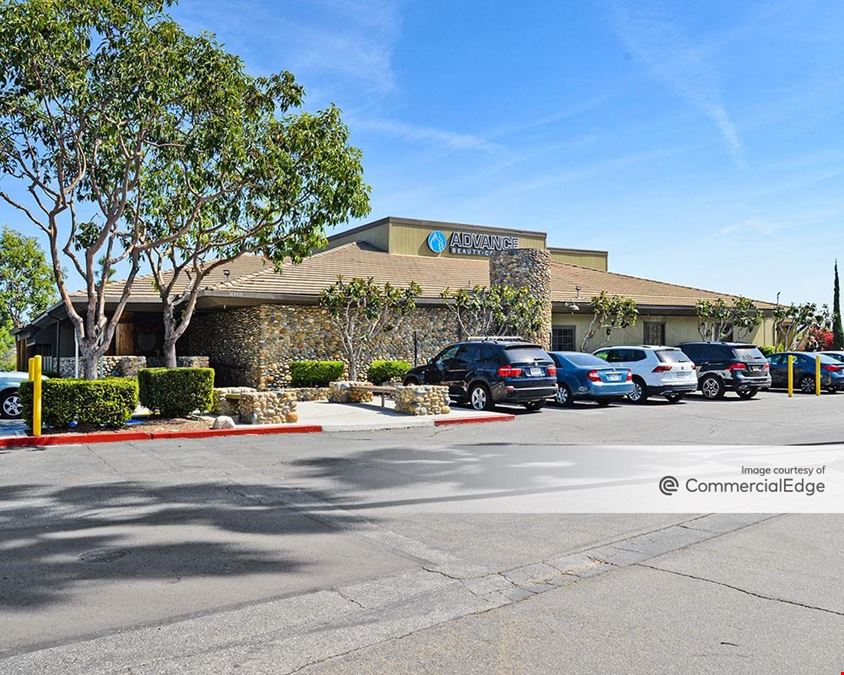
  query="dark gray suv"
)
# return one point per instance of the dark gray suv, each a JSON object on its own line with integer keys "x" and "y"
{"x": 728, "y": 366}
{"x": 486, "y": 371}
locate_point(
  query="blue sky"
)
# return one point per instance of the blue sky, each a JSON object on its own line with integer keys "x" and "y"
{"x": 699, "y": 142}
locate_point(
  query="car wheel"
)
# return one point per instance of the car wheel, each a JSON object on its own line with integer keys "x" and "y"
{"x": 711, "y": 387}
{"x": 603, "y": 402}
{"x": 674, "y": 398}
{"x": 807, "y": 384}
{"x": 480, "y": 398}
{"x": 411, "y": 382}
{"x": 534, "y": 405}
{"x": 11, "y": 406}
{"x": 640, "y": 391}
{"x": 747, "y": 393}
{"x": 563, "y": 396}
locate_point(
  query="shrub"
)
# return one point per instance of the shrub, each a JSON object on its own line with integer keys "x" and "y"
{"x": 315, "y": 373}
{"x": 383, "y": 371}
{"x": 176, "y": 392}
{"x": 107, "y": 403}
{"x": 767, "y": 350}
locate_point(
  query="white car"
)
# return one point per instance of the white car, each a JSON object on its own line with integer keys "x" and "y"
{"x": 657, "y": 371}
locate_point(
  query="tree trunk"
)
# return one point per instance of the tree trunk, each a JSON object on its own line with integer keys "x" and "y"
{"x": 90, "y": 357}
{"x": 170, "y": 338}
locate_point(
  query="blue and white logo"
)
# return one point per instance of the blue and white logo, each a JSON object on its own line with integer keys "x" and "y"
{"x": 437, "y": 241}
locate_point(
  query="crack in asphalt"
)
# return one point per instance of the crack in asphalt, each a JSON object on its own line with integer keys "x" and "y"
{"x": 754, "y": 594}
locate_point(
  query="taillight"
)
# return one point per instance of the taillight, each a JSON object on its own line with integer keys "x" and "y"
{"x": 509, "y": 371}
{"x": 662, "y": 368}
{"x": 593, "y": 376}
{"x": 551, "y": 370}
{"x": 831, "y": 369}
{"x": 737, "y": 366}
{"x": 629, "y": 376}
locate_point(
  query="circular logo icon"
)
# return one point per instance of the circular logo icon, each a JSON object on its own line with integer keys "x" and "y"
{"x": 668, "y": 485}
{"x": 437, "y": 241}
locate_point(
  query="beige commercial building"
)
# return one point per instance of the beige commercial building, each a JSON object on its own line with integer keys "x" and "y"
{"x": 251, "y": 321}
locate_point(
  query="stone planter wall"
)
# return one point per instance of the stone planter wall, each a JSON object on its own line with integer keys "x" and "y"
{"x": 109, "y": 366}
{"x": 422, "y": 400}
{"x": 342, "y": 393}
{"x": 309, "y": 393}
{"x": 268, "y": 407}
{"x": 224, "y": 407}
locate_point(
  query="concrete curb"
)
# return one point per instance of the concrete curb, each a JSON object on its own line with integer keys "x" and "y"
{"x": 258, "y": 430}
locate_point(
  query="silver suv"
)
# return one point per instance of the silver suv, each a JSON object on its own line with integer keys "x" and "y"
{"x": 657, "y": 370}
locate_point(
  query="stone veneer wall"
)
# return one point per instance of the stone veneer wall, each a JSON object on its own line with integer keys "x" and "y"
{"x": 529, "y": 268}
{"x": 108, "y": 366}
{"x": 254, "y": 346}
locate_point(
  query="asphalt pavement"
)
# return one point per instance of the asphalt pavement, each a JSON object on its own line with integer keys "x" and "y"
{"x": 323, "y": 553}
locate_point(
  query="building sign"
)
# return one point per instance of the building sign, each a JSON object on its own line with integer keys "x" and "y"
{"x": 478, "y": 243}
{"x": 471, "y": 243}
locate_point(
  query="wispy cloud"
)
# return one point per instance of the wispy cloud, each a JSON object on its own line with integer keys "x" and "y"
{"x": 451, "y": 140}
{"x": 659, "y": 43}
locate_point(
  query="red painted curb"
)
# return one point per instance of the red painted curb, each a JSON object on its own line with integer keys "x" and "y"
{"x": 72, "y": 439}
{"x": 261, "y": 430}
{"x": 500, "y": 417}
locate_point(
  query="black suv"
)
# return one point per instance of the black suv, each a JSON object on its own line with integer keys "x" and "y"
{"x": 486, "y": 371}
{"x": 723, "y": 366}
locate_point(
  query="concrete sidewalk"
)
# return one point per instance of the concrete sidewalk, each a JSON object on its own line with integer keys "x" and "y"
{"x": 371, "y": 416}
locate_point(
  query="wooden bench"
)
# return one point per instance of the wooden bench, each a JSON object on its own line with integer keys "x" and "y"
{"x": 374, "y": 389}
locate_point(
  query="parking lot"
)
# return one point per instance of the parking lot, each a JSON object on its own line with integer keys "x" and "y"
{"x": 329, "y": 550}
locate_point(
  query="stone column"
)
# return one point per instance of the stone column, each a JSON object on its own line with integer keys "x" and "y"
{"x": 526, "y": 268}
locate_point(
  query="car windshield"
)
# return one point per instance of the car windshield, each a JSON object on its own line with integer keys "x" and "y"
{"x": 672, "y": 356}
{"x": 585, "y": 360}
{"x": 748, "y": 354}
{"x": 526, "y": 354}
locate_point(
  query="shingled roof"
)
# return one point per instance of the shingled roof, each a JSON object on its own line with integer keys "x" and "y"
{"x": 255, "y": 277}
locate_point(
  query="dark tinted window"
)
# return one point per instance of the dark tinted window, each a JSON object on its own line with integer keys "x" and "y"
{"x": 636, "y": 355}
{"x": 446, "y": 354}
{"x": 526, "y": 354}
{"x": 489, "y": 353}
{"x": 776, "y": 359}
{"x": 585, "y": 360}
{"x": 470, "y": 352}
{"x": 748, "y": 354}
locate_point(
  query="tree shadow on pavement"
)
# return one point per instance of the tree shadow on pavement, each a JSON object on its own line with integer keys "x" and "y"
{"x": 55, "y": 540}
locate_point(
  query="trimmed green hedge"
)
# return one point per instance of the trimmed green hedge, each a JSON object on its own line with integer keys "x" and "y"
{"x": 315, "y": 373}
{"x": 176, "y": 392}
{"x": 383, "y": 371}
{"x": 92, "y": 404}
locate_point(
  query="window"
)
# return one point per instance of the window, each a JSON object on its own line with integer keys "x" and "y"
{"x": 654, "y": 333}
{"x": 562, "y": 339}
{"x": 489, "y": 353}
{"x": 471, "y": 351}
{"x": 446, "y": 355}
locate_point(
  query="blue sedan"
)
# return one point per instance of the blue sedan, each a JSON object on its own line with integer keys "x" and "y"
{"x": 832, "y": 371}
{"x": 583, "y": 376}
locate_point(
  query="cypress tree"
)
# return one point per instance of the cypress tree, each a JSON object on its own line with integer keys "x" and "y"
{"x": 837, "y": 332}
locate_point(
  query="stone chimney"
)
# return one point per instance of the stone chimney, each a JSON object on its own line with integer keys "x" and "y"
{"x": 526, "y": 268}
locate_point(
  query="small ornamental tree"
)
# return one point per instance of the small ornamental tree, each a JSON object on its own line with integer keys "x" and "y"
{"x": 837, "y": 330}
{"x": 717, "y": 320}
{"x": 494, "y": 310}
{"x": 610, "y": 312}
{"x": 797, "y": 325}
{"x": 26, "y": 280}
{"x": 364, "y": 312}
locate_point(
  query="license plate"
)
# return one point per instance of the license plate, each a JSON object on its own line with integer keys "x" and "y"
{"x": 535, "y": 372}
{"x": 614, "y": 377}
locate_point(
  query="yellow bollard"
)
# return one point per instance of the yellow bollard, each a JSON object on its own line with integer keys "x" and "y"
{"x": 790, "y": 376}
{"x": 818, "y": 375}
{"x": 36, "y": 395}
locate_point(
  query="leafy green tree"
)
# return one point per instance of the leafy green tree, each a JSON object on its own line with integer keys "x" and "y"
{"x": 610, "y": 312}
{"x": 718, "y": 321}
{"x": 249, "y": 177}
{"x": 124, "y": 133}
{"x": 26, "y": 279}
{"x": 837, "y": 329}
{"x": 796, "y": 324}
{"x": 364, "y": 312}
{"x": 494, "y": 310}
